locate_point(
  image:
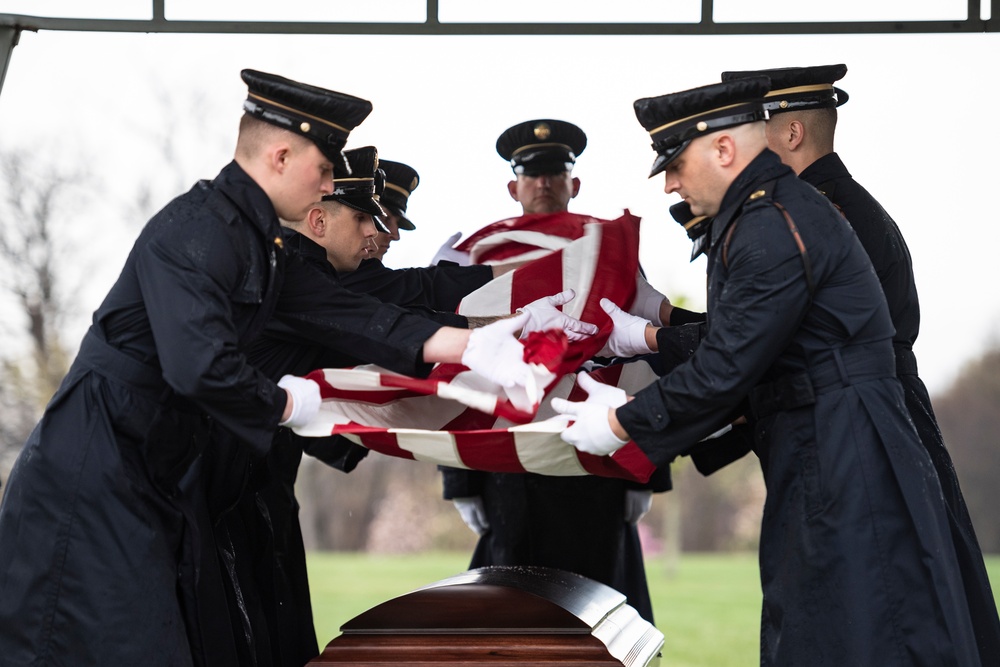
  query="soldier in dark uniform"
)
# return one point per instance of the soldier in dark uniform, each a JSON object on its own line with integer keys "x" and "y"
{"x": 259, "y": 537}
{"x": 95, "y": 563}
{"x": 105, "y": 520}
{"x": 858, "y": 566}
{"x": 440, "y": 287}
{"x": 400, "y": 182}
{"x": 802, "y": 107}
{"x": 585, "y": 525}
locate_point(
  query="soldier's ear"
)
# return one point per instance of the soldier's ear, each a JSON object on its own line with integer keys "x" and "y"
{"x": 796, "y": 133}
{"x": 512, "y": 190}
{"x": 724, "y": 149}
{"x": 279, "y": 157}
{"x": 316, "y": 221}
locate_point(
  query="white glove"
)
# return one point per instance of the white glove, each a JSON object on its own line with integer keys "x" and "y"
{"x": 637, "y": 503}
{"x": 628, "y": 338}
{"x": 494, "y": 353}
{"x": 647, "y": 301}
{"x": 543, "y": 314}
{"x": 305, "y": 398}
{"x": 473, "y": 513}
{"x": 591, "y": 431}
{"x": 447, "y": 252}
{"x": 598, "y": 392}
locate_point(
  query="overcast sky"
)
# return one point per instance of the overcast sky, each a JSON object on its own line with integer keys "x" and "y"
{"x": 918, "y": 132}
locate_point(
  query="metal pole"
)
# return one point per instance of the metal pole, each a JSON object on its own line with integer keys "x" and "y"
{"x": 9, "y": 36}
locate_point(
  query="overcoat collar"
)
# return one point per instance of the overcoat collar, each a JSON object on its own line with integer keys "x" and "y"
{"x": 763, "y": 168}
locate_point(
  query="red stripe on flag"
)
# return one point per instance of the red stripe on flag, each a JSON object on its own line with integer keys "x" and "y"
{"x": 471, "y": 420}
{"x": 566, "y": 225}
{"x": 609, "y": 266}
{"x": 627, "y": 463}
{"x": 544, "y": 279}
{"x": 633, "y": 459}
{"x": 385, "y": 443}
{"x": 488, "y": 450}
{"x": 415, "y": 385}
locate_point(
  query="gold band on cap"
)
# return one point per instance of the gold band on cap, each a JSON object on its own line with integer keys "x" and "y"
{"x": 800, "y": 89}
{"x": 393, "y": 186}
{"x": 692, "y": 117}
{"x": 353, "y": 180}
{"x": 301, "y": 113}
{"x": 694, "y": 221}
{"x": 550, "y": 145}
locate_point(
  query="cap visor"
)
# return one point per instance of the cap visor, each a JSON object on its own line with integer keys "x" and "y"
{"x": 842, "y": 96}
{"x": 665, "y": 158}
{"x": 404, "y": 223}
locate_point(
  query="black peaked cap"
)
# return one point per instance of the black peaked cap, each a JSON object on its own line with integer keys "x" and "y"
{"x": 362, "y": 185}
{"x": 799, "y": 88}
{"x": 400, "y": 181}
{"x": 676, "y": 119}
{"x": 541, "y": 146}
{"x": 694, "y": 225}
{"x": 325, "y": 117}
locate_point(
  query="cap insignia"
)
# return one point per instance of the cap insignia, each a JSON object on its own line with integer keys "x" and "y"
{"x": 542, "y": 131}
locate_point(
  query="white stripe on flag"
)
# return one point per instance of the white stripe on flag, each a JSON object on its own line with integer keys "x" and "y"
{"x": 540, "y": 240}
{"x": 579, "y": 264}
{"x": 541, "y": 449}
{"x": 430, "y": 446}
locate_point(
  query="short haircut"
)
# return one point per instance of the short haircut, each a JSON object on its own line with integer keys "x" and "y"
{"x": 823, "y": 121}
{"x": 255, "y": 134}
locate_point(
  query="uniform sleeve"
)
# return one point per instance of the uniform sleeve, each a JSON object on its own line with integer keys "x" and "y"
{"x": 187, "y": 288}
{"x": 319, "y": 309}
{"x": 761, "y": 301}
{"x": 676, "y": 344}
{"x": 884, "y": 243}
{"x": 437, "y": 287}
{"x": 659, "y": 482}
{"x": 680, "y": 316}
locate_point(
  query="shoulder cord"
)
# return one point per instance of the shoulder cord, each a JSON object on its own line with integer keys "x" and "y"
{"x": 807, "y": 265}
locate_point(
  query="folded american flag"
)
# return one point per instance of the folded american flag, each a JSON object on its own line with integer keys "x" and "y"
{"x": 459, "y": 419}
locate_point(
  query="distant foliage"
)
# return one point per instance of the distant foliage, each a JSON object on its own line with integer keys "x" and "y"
{"x": 38, "y": 200}
{"x": 969, "y": 416}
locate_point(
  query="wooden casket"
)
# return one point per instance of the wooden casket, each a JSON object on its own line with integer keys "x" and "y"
{"x": 498, "y": 616}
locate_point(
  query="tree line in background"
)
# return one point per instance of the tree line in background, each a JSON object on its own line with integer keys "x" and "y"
{"x": 391, "y": 505}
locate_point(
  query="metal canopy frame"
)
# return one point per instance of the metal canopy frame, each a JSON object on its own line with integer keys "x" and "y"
{"x": 11, "y": 26}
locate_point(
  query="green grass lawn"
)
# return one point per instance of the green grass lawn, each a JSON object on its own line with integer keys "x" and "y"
{"x": 706, "y": 605}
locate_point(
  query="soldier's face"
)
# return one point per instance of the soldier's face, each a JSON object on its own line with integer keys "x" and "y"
{"x": 308, "y": 176}
{"x": 382, "y": 240}
{"x": 693, "y": 176}
{"x": 545, "y": 193}
{"x": 348, "y": 237}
